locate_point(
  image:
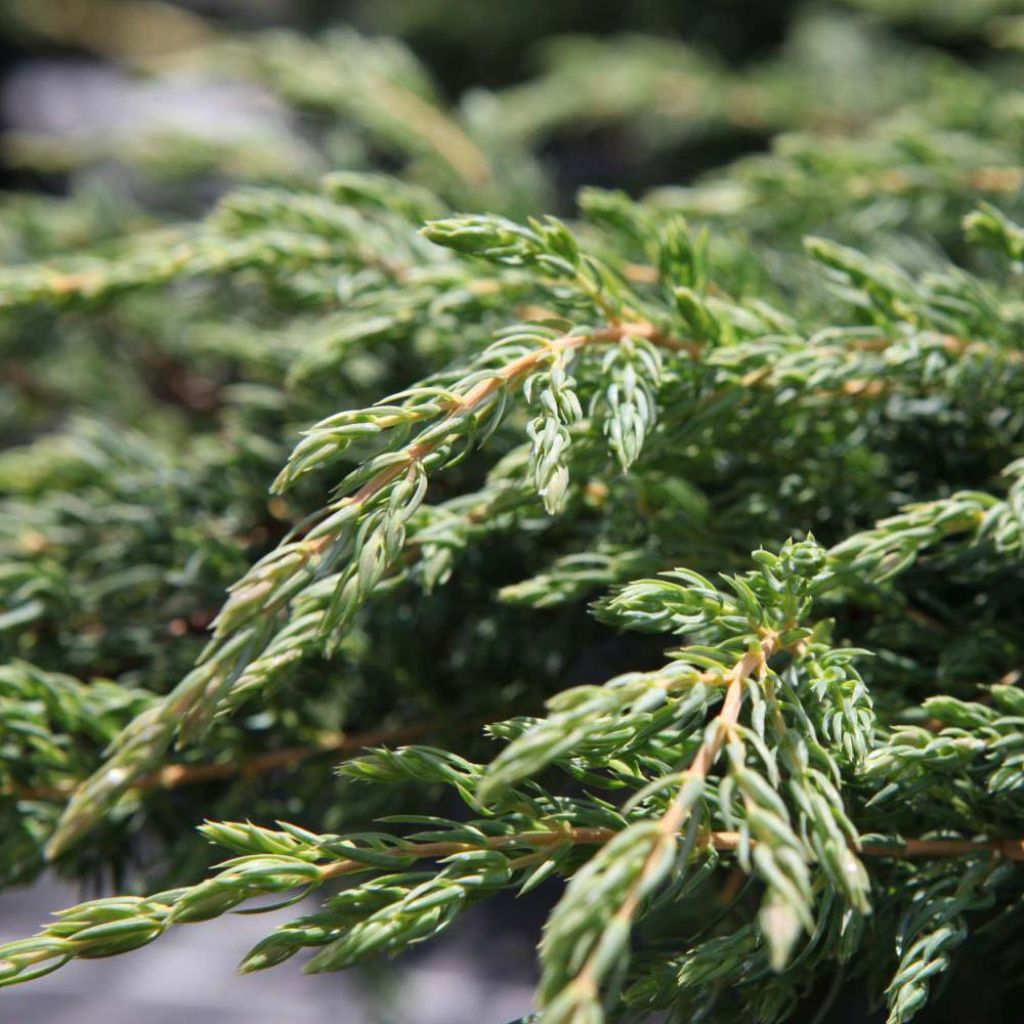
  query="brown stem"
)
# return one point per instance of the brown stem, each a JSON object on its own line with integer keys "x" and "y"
{"x": 641, "y": 273}
{"x": 174, "y": 775}
{"x": 723, "y": 842}
{"x": 420, "y": 851}
{"x": 1011, "y": 849}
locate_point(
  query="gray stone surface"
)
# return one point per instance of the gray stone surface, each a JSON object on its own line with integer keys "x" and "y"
{"x": 475, "y": 974}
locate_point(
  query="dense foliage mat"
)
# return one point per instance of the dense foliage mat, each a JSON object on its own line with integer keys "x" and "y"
{"x": 753, "y": 447}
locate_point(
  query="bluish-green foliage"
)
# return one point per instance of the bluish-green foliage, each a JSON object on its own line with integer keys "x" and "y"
{"x": 760, "y": 435}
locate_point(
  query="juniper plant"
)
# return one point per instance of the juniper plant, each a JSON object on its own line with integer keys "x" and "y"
{"x": 772, "y": 421}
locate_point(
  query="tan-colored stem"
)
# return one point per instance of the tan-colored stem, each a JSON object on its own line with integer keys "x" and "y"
{"x": 477, "y": 395}
{"x": 450, "y": 142}
{"x": 587, "y": 981}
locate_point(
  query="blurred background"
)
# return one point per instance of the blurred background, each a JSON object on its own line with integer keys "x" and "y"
{"x": 145, "y": 95}
{"x": 145, "y": 112}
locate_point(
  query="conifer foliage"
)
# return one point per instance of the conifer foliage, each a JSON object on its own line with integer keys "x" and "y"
{"x": 437, "y": 448}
